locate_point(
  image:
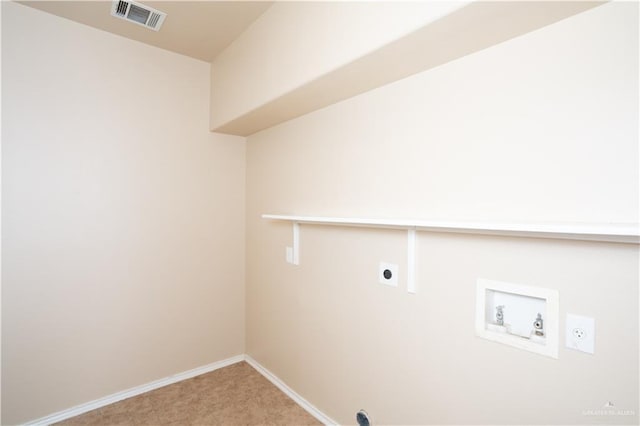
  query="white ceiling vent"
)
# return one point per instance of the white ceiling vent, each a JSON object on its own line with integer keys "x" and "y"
{"x": 138, "y": 13}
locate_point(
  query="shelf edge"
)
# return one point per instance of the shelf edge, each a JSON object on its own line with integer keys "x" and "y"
{"x": 619, "y": 233}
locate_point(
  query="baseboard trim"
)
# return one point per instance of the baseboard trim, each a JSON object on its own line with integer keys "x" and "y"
{"x": 119, "y": 396}
{"x": 290, "y": 392}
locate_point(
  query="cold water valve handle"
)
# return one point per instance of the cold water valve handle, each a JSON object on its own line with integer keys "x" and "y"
{"x": 538, "y": 325}
{"x": 500, "y": 315}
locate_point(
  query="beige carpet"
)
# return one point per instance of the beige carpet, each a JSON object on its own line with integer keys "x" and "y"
{"x": 234, "y": 395}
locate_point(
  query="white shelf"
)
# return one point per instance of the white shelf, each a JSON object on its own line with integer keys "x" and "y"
{"x": 606, "y": 232}
{"x": 619, "y": 233}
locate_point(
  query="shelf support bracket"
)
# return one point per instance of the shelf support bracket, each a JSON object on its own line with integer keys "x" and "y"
{"x": 296, "y": 244}
{"x": 411, "y": 260}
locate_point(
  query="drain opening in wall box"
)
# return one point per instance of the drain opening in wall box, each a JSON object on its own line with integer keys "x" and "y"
{"x": 522, "y": 316}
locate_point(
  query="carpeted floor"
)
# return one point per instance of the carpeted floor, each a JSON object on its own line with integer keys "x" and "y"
{"x": 234, "y": 395}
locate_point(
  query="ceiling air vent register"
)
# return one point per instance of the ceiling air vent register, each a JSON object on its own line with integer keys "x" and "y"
{"x": 138, "y": 13}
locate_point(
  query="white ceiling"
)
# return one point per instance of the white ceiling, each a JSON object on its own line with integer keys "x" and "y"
{"x": 200, "y": 29}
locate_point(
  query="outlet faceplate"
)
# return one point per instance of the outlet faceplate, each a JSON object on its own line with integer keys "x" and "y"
{"x": 580, "y": 333}
{"x": 388, "y": 274}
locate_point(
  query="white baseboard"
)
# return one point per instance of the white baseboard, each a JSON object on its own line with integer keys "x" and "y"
{"x": 119, "y": 396}
{"x": 290, "y": 392}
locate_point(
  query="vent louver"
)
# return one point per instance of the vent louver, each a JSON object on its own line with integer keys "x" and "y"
{"x": 121, "y": 8}
{"x": 138, "y": 13}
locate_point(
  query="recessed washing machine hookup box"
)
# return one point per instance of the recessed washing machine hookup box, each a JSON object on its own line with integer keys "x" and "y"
{"x": 522, "y": 316}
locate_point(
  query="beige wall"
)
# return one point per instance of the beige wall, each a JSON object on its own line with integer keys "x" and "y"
{"x": 123, "y": 220}
{"x": 0, "y": 221}
{"x": 123, "y": 217}
{"x": 543, "y": 127}
{"x": 294, "y": 43}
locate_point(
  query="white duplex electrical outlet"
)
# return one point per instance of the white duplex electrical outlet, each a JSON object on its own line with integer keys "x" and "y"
{"x": 388, "y": 274}
{"x": 580, "y": 333}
